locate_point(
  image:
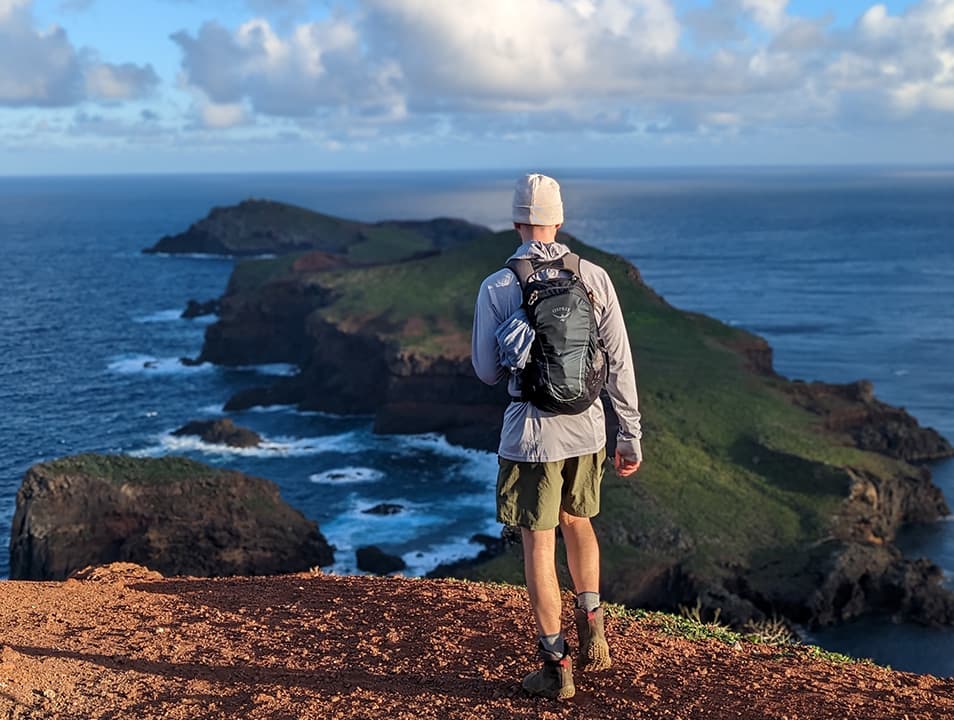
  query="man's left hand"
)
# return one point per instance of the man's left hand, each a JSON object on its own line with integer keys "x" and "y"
{"x": 625, "y": 468}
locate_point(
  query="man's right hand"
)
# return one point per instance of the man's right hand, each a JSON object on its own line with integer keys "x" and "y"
{"x": 624, "y": 467}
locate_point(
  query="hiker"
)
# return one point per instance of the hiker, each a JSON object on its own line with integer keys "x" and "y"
{"x": 551, "y": 461}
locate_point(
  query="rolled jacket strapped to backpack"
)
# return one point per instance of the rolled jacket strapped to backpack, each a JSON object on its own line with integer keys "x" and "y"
{"x": 515, "y": 336}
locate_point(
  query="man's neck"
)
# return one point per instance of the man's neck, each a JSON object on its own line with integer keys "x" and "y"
{"x": 538, "y": 233}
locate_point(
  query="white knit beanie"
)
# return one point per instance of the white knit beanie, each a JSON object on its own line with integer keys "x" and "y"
{"x": 536, "y": 201}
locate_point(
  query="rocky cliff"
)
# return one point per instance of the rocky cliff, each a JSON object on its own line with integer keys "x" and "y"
{"x": 757, "y": 493}
{"x": 172, "y": 514}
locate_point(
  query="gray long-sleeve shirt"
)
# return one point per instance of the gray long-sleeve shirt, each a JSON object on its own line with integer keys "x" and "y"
{"x": 530, "y": 434}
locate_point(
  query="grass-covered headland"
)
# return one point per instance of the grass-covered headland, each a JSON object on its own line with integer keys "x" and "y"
{"x": 757, "y": 494}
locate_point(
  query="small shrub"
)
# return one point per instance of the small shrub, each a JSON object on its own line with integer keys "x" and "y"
{"x": 770, "y": 631}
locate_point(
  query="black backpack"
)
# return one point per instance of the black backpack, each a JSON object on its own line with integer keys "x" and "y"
{"x": 568, "y": 364}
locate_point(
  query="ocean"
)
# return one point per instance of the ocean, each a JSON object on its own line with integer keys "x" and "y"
{"x": 848, "y": 273}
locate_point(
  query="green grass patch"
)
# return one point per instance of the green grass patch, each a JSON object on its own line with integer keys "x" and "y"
{"x": 119, "y": 469}
{"x": 251, "y": 275}
{"x": 383, "y": 244}
{"x": 817, "y": 653}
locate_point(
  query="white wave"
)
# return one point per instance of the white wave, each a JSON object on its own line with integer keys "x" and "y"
{"x": 133, "y": 364}
{"x": 438, "y": 444}
{"x": 161, "y": 316}
{"x": 175, "y": 315}
{"x": 196, "y": 256}
{"x": 217, "y": 256}
{"x": 347, "y": 476}
{"x": 277, "y": 447}
{"x": 292, "y": 409}
{"x": 421, "y": 562}
{"x": 283, "y": 369}
{"x": 270, "y": 408}
{"x": 212, "y": 410}
{"x": 352, "y": 528}
{"x": 901, "y": 373}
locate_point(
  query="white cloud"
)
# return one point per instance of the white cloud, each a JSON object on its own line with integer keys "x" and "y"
{"x": 604, "y": 66}
{"x": 317, "y": 66}
{"x": 222, "y": 115}
{"x": 119, "y": 82}
{"x": 42, "y": 68}
{"x": 768, "y": 13}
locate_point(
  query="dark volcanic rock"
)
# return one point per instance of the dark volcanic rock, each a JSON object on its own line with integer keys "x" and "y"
{"x": 171, "y": 514}
{"x": 262, "y": 327}
{"x": 384, "y": 509}
{"x": 842, "y": 581}
{"x": 870, "y": 424}
{"x": 373, "y": 559}
{"x": 221, "y": 432}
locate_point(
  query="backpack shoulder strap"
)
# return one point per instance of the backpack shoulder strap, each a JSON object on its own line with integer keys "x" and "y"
{"x": 571, "y": 262}
{"x": 522, "y": 268}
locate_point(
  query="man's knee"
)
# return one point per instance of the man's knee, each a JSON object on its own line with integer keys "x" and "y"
{"x": 538, "y": 540}
{"x": 572, "y": 521}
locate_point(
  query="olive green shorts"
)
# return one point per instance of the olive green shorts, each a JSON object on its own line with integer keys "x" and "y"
{"x": 531, "y": 494}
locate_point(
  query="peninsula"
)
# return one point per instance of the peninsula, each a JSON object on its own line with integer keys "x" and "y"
{"x": 759, "y": 495}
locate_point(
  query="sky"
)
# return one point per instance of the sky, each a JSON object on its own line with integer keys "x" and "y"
{"x": 140, "y": 86}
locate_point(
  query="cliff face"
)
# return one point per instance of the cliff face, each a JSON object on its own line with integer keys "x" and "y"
{"x": 171, "y": 514}
{"x": 756, "y": 491}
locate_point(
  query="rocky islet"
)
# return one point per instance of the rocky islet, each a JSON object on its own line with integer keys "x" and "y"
{"x": 172, "y": 515}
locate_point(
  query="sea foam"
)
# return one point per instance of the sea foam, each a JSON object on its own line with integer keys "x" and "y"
{"x": 347, "y": 476}
{"x": 276, "y": 447}
{"x": 161, "y": 316}
{"x": 134, "y": 364}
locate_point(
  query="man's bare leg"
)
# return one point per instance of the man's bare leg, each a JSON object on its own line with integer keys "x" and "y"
{"x": 555, "y": 678}
{"x": 582, "y": 552}
{"x": 583, "y": 558}
{"x": 539, "y": 565}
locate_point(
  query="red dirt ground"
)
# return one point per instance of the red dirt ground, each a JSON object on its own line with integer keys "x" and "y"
{"x": 123, "y": 642}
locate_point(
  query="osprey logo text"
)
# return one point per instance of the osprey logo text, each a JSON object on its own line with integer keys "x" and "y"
{"x": 561, "y": 313}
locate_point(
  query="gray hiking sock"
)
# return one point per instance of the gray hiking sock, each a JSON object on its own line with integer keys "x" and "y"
{"x": 552, "y": 646}
{"x": 588, "y": 601}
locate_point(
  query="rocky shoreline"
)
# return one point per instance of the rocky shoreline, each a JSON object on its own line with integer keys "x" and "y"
{"x": 838, "y": 472}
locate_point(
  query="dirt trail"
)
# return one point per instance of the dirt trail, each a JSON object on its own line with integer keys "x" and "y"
{"x": 126, "y": 643}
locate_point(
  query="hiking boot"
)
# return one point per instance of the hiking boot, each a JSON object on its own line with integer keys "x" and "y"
{"x": 594, "y": 652}
{"x": 554, "y": 680}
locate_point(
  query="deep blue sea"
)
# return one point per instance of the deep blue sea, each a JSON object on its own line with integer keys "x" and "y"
{"x": 848, "y": 273}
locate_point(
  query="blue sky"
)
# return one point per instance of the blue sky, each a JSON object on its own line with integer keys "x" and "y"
{"x": 271, "y": 85}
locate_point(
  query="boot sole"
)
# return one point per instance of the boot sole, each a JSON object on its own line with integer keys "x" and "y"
{"x": 597, "y": 657}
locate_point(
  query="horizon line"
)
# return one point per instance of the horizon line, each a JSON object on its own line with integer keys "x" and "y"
{"x": 893, "y": 166}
